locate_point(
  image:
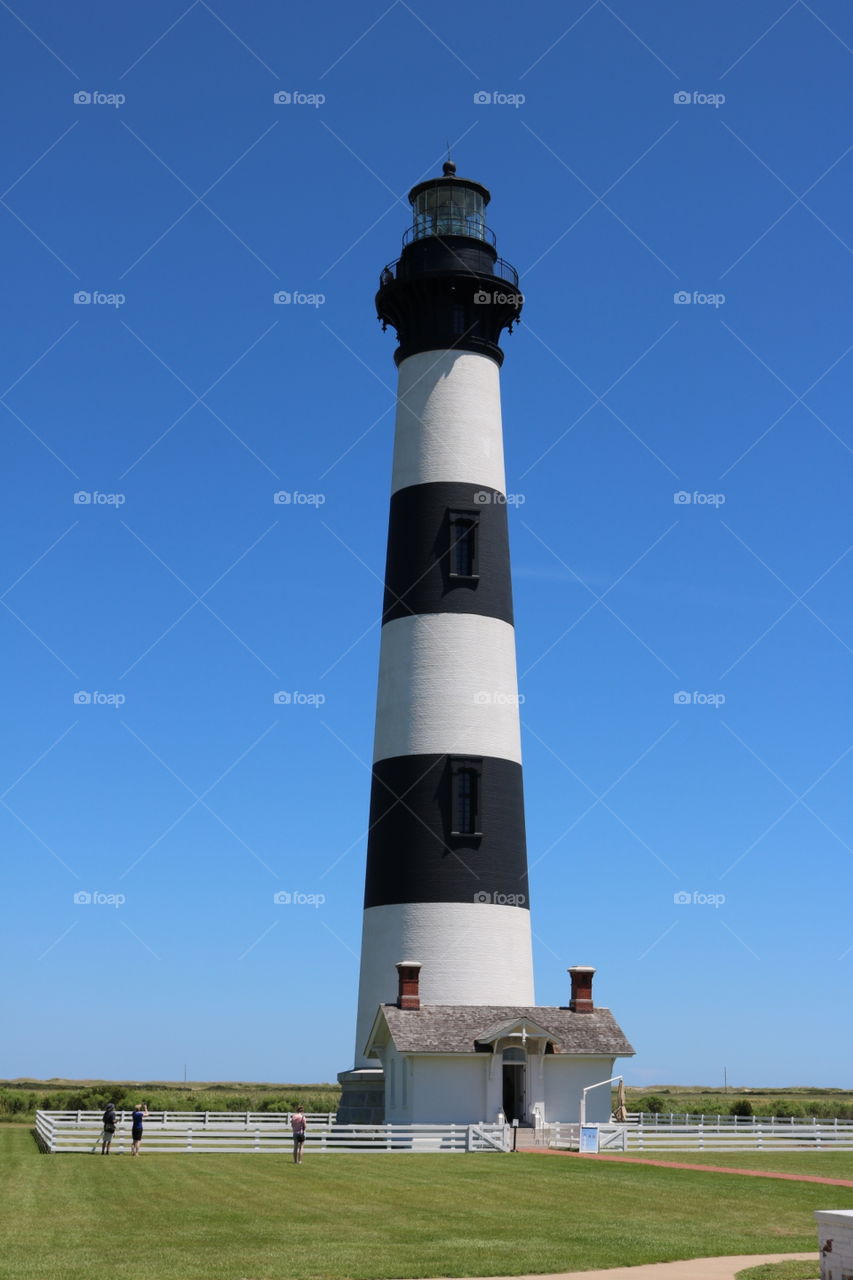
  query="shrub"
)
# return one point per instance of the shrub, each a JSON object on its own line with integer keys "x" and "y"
{"x": 742, "y": 1108}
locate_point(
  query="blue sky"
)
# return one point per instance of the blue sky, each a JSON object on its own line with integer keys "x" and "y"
{"x": 187, "y": 398}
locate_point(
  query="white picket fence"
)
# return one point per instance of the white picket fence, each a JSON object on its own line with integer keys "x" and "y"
{"x": 258, "y": 1132}
{"x": 673, "y": 1119}
{"x": 714, "y": 1134}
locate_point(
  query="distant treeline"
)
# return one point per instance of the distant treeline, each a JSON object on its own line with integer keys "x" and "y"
{"x": 804, "y": 1104}
{"x": 21, "y": 1101}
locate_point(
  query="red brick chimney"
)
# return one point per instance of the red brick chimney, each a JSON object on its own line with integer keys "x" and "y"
{"x": 408, "y": 984}
{"x": 581, "y": 1001}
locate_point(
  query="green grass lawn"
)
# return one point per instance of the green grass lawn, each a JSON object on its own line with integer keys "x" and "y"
{"x": 782, "y": 1271}
{"x": 225, "y": 1217}
{"x": 823, "y": 1164}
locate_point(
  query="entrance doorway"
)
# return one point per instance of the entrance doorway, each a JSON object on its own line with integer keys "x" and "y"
{"x": 514, "y": 1073}
{"x": 513, "y": 1098}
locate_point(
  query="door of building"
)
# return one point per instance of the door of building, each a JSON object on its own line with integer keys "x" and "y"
{"x": 513, "y": 1091}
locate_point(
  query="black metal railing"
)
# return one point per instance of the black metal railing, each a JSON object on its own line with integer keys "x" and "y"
{"x": 462, "y": 226}
{"x": 501, "y": 268}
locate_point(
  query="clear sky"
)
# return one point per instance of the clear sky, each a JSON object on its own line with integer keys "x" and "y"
{"x": 184, "y": 197}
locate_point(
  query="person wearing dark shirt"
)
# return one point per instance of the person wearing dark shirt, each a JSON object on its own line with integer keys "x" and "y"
{"x": 109, "y": 1123}
{"x": 140, "y": 1111}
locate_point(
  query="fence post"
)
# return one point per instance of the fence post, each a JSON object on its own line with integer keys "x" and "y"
{"x": 257, "y": 1138}
{"x": 189, "y": 1138}
{"x": 206, "y": 1116}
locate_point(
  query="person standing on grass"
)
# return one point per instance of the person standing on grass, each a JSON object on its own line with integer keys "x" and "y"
{"x": 109, "y": 1123}
{"x": 140, "y": 1111}
{"x": 297, "y": 1124}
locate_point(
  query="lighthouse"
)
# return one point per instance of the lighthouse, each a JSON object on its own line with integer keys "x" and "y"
{"x": 446, "y": 882}
{"x": 447, "y": 1027}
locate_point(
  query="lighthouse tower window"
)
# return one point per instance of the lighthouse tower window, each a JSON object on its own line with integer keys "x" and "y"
{"x": 465, "y": 797}
{"x": 464, "y": 529}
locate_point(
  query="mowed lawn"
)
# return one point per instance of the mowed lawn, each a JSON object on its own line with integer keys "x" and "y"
{"x": 230, "y": 1217}
{"x": 821, "y": 1164}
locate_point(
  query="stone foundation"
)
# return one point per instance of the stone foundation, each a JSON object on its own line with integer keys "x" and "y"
{"x": 362, "y": 1096}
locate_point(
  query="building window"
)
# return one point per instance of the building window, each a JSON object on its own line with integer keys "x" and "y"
{"x": 465, "y": 816}
{"x": 457, "y": 318}
{"x": 464, "y": 539}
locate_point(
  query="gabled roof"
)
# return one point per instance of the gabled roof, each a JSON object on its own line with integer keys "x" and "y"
{"x": 446, "y": 1028}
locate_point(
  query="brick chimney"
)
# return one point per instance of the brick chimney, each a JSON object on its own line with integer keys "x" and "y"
{"x": 408, "y": 984}
{"x": 581, "y": 1001}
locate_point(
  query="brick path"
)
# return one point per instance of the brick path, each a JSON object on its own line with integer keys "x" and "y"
{"x": 702, "y": 1168}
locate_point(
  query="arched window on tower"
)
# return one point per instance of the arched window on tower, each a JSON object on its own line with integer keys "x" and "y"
{"x": 465, "y": 780}
{"x": 464, "y": 539}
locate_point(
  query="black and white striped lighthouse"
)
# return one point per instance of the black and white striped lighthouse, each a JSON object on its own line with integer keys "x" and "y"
{"x": 446, "y": 884}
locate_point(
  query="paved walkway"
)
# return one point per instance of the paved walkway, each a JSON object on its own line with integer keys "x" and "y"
{"x": 702, "y": 1168}
{"x": 696, "y": 1269}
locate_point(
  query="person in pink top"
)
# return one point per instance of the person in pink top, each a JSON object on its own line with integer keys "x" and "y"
{"x": 297, "y": 1124}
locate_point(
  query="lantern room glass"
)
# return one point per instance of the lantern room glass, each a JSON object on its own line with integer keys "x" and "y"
{"x": 449, "y": 209}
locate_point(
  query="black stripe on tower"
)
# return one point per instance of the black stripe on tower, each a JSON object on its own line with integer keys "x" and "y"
{"x": 416, "y": 852}
{"x": 449, "y": 292}
{"x": 448, "y": 552}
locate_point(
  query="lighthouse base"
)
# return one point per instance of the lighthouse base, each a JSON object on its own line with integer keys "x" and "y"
{"x": 362, "y": 1096}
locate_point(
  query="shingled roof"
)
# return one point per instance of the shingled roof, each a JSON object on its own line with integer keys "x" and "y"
{"x": 447, "y": 1028}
